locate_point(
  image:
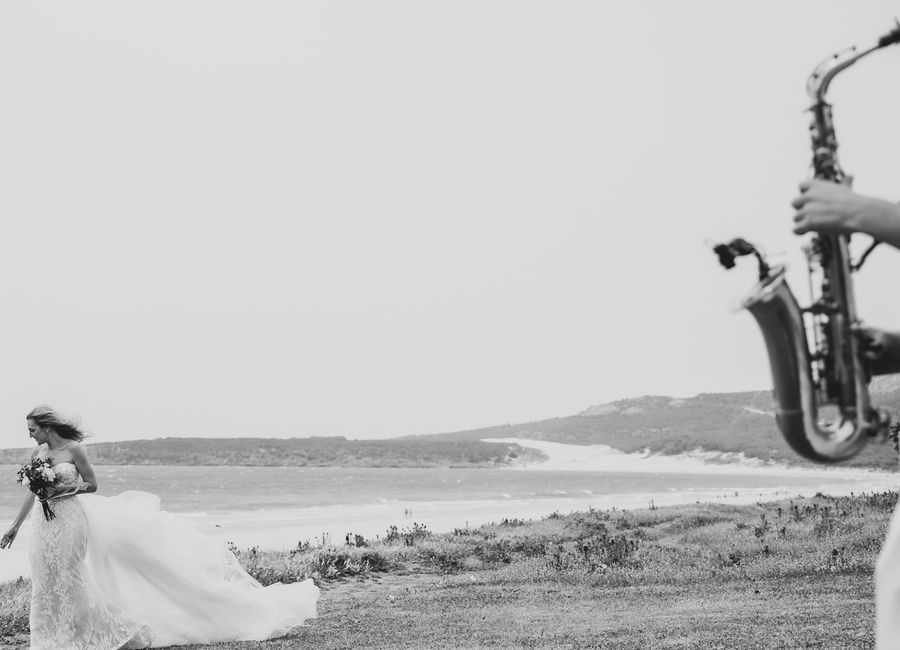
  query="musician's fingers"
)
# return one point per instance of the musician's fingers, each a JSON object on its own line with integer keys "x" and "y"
{"x": 801, "y": 200}
{"x": 807, "y": 211}
{"x": 873, "y": 355}
{"x": 803, "y": 215}
{"x": 808, "y": 220}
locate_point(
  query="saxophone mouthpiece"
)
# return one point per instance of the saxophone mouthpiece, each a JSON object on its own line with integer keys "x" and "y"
{"x": 891, "y": 38}
{"x": 737, "y": 248}
{"x": 726, "y": 255}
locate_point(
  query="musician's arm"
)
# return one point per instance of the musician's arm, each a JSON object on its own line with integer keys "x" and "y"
{"x": 833, "y": 208}
{"x": 881, "y": 219}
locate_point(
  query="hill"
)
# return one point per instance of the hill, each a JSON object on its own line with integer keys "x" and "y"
{"x": 725, "y": 422}
{"x": 721, "y": 422}
{"x": 300, "y": 452}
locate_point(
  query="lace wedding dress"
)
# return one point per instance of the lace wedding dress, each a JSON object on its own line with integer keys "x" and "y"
{"x": 68, "y": 612}
{"x": 118, "y": 572}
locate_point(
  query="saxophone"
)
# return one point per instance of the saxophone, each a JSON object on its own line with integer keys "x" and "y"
{"x": 822, "y": 402}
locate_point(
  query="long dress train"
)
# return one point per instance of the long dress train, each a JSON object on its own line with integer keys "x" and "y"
{"x": 150, "y": 577}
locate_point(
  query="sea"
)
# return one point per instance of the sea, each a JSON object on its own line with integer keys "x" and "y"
{"x": 281, "y": 507}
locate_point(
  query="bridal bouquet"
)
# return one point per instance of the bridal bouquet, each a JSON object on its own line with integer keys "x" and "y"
{"x": 37, "y": 476}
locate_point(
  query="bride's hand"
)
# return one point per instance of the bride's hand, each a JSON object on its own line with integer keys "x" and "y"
{"x": 7, "y": 539}
{"x": 49, "y": 493}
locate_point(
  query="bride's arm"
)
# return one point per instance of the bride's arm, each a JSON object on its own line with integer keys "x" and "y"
{"x": 7, "y": 539}
{"x": 85, "y": 469}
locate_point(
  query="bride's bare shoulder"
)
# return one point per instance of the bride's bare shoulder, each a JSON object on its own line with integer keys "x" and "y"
{"x": 76, "y": 450}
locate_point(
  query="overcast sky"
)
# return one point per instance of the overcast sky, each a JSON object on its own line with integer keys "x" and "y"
{"x": 383, "y": 218}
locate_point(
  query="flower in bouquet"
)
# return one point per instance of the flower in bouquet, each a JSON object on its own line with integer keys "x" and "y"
{"x": 37, "y": 476}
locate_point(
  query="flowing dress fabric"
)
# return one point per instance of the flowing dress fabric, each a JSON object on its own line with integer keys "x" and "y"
{"x": 118, "y": 572}
{"x": 68, "y": 611}
{"x": 186, "y": 586}
{"x": 887, "y": 589}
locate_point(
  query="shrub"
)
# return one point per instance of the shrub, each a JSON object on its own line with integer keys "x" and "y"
{"x": 323, "y": 563}
{"x": 408, "y": 535}
{"x": 15, "y": 599}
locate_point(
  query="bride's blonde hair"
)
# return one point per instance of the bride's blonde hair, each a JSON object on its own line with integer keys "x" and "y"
{"x": 47, "y": 418}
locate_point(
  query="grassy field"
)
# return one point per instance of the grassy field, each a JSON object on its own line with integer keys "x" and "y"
{"x": 788, "y": 574}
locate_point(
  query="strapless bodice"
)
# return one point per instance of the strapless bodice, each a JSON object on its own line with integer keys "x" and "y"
{"x": 67, "y": 473}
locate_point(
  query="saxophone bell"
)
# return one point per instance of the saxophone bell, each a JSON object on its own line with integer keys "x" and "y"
{"x": 816, "y": 425}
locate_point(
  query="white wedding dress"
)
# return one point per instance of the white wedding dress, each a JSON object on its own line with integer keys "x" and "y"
{"x": 117, "y": 572}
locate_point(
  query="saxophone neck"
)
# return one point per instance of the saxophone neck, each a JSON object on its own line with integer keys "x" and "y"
{"x": 819, "y": 80}
{"x": 827, "y": 70}
{"x": 824, "y": 142}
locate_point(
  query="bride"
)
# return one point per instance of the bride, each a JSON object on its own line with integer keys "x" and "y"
{"x": 117, "y": 572}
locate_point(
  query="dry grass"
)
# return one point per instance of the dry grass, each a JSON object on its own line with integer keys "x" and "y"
{"x": 790, "y": 574}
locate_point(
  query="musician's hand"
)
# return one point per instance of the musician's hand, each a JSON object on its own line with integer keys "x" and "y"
{"x": 881, "y": 348}
{"x": 834, "y": 208}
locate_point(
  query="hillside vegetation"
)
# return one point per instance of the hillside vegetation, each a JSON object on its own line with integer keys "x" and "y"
{"x": 300, "y": 452}
{"x": 723, "y": 422}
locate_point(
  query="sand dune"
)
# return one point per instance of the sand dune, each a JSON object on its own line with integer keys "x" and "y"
{"x": 602, "y": 458}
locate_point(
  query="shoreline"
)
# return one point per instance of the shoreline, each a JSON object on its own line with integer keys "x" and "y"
{"x": 283, "y": 529}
